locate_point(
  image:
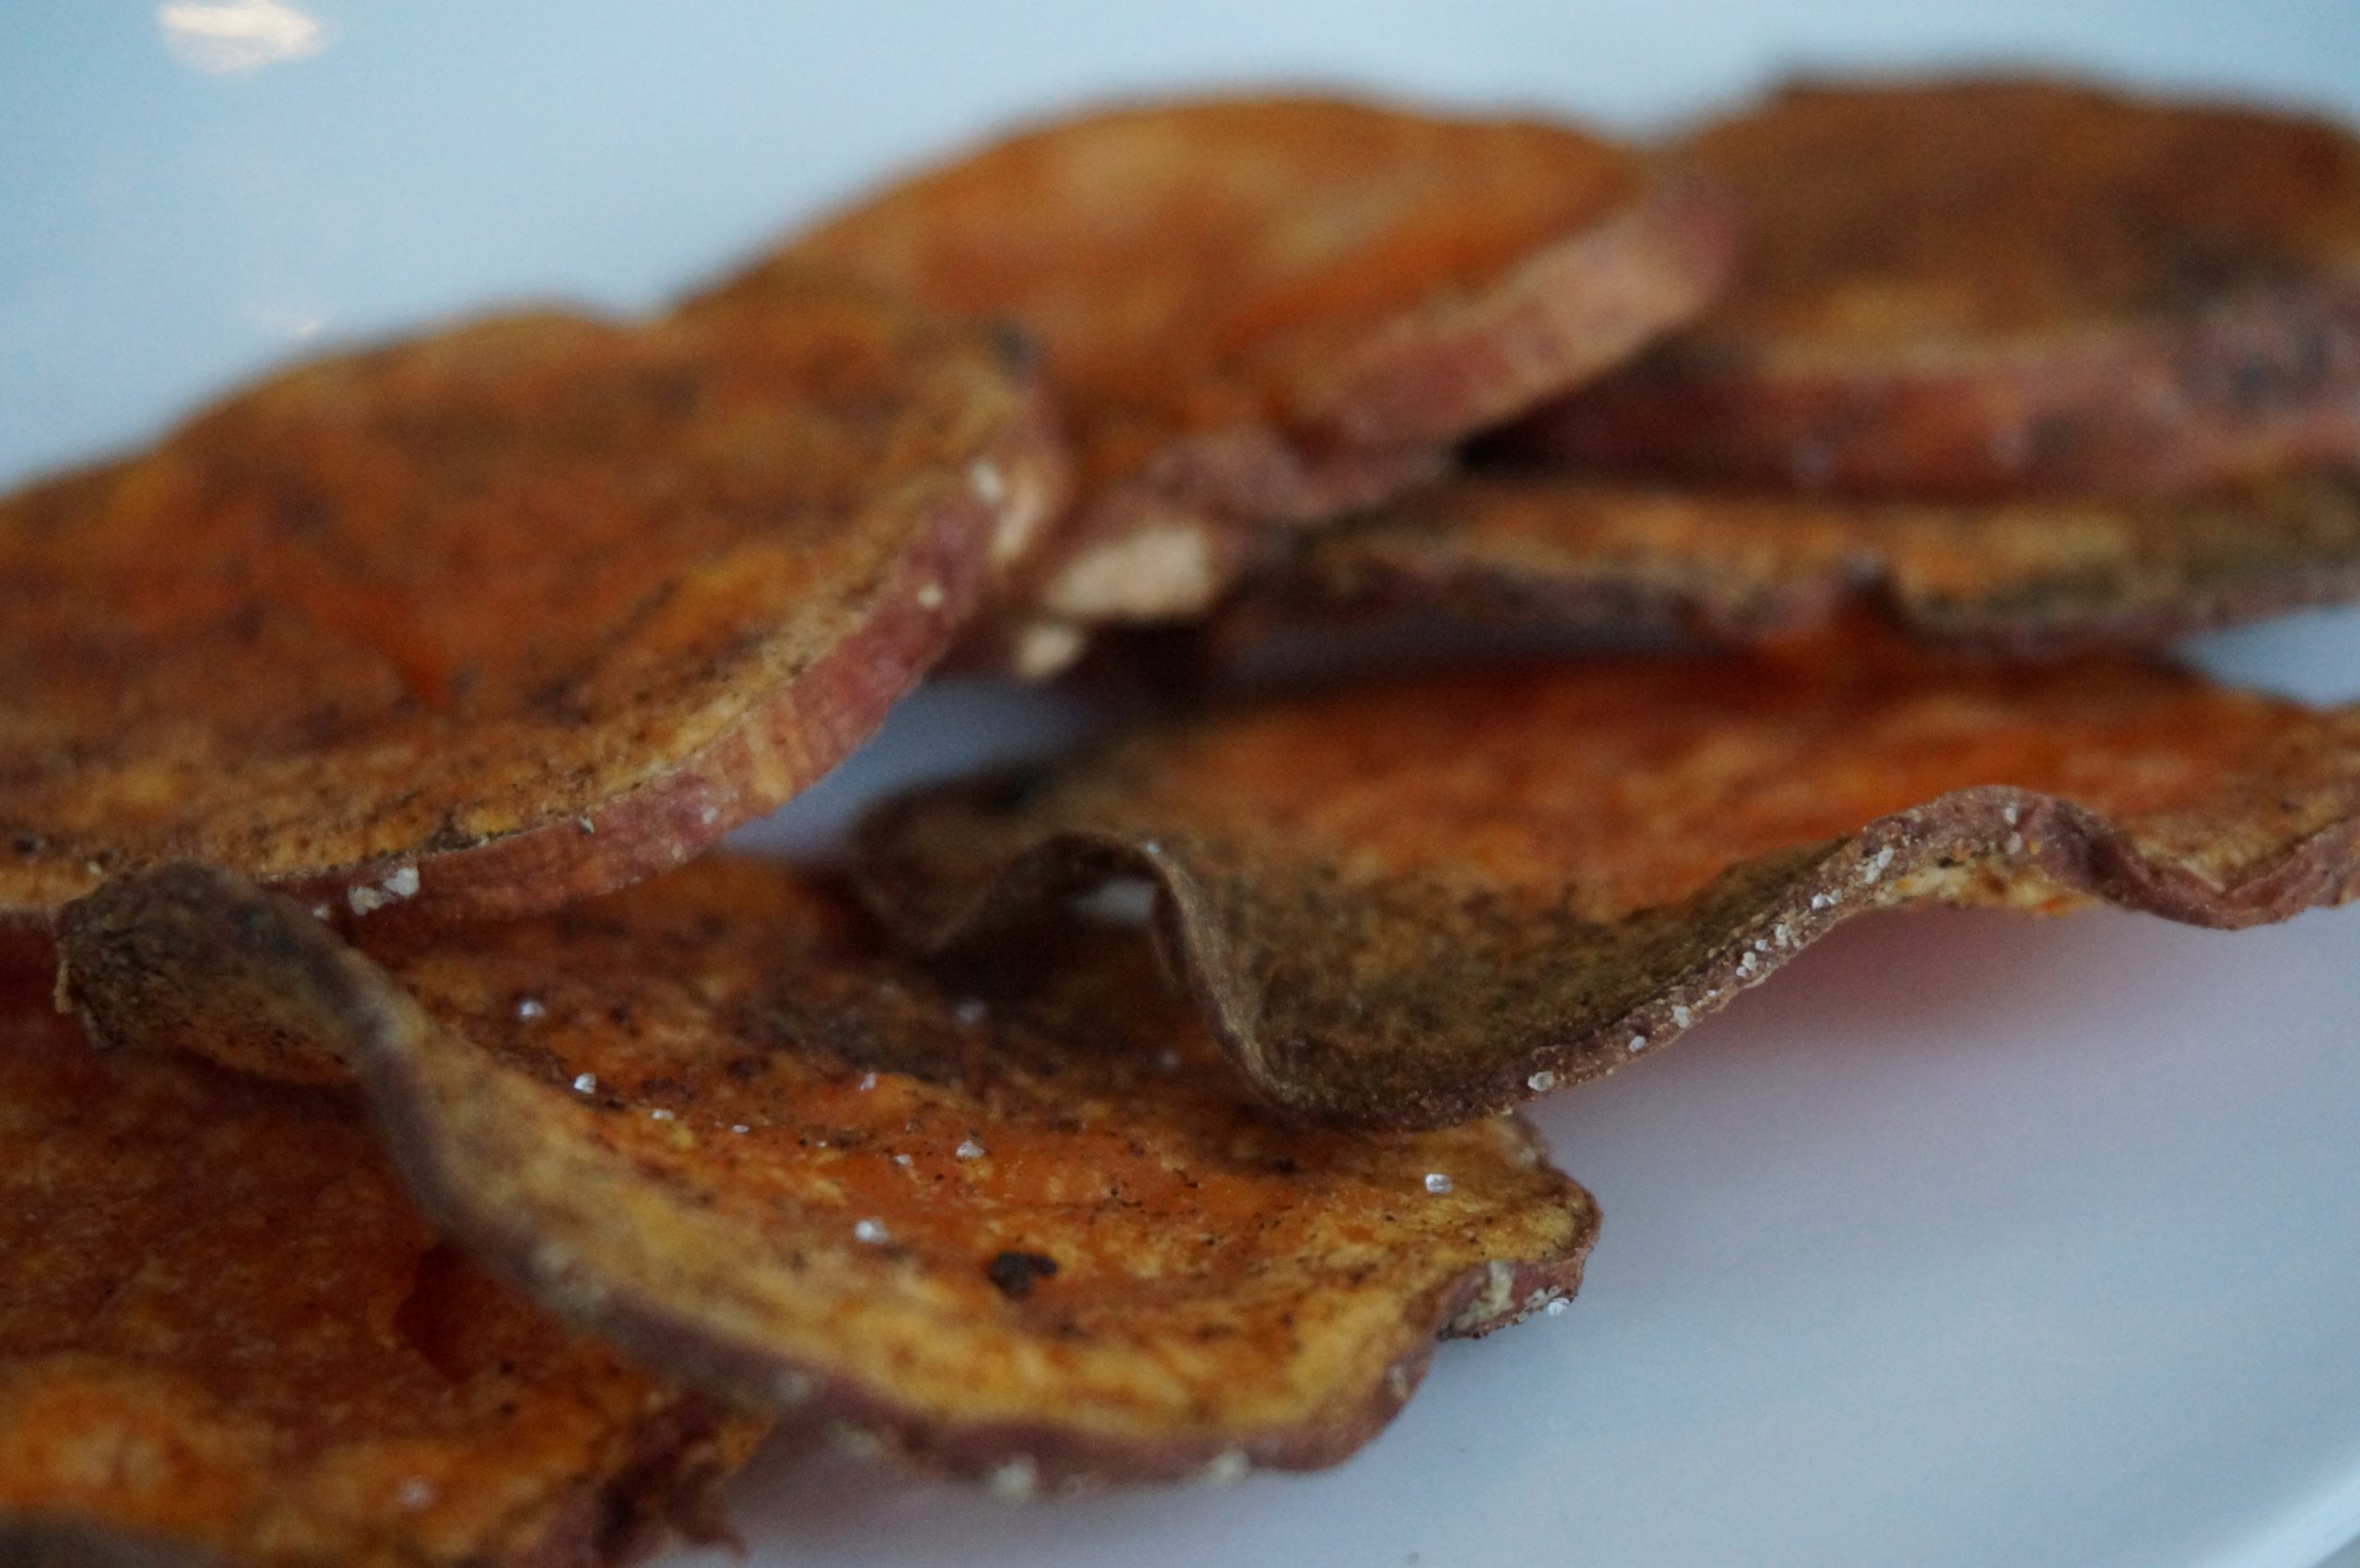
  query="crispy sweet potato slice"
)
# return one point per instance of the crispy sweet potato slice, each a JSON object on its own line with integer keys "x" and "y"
{"x": 1265, "y": 311}
{"x": 492, "y": 619}
{"x": 225, "y": 1336}
{"x": 1045, "y": 1237}
{"x": 1406, "y": 905}
{"x": 1988, "y": 286}
{"x": 2026, "y": 579}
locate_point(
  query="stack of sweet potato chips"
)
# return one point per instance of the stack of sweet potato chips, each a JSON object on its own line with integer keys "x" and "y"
{"x": 415, "y": 1153}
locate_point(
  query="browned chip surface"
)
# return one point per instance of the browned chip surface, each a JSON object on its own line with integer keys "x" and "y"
{"x": 1040, "y": 1235}
{"x": 2024, "y": 578}
{"x": 495, "y": 618}
{"x": 1405, "y": 903}
{"x": 1266, "y": 310}
{"x": 1981, "y": 287}
{"x": 226, "y": 1333}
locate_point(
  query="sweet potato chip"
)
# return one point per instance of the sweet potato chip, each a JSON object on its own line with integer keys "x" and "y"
{"x": 492, "y": 619}
{"x": 1409, "y": 903}
{"x": 2026, "y": 579}
{"x": 1040, "y": 1235}
{"x": 225, "y": 1336}
{"x": 1265, "y": 311}
{"x": 1988, "y": 286}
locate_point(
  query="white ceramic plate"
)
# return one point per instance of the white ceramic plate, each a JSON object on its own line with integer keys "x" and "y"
{"x": 1967, "y": 1240}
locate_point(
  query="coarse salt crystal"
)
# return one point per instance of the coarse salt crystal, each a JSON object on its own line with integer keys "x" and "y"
{"x": 1016, "y": 1481}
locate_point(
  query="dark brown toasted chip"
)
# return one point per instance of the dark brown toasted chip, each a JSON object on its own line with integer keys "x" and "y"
{"x": 499, "y": 617}
{"x": 1039, "y": 1233}
{"x": 2026, "y": 579}
{"x": 227, "y": 1337}
{"x": 1991, "y": 287}
{"x": 1408, "y": 903}
{"x": 1267, "y": 312}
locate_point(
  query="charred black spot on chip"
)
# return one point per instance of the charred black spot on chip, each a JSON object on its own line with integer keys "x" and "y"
{"x": 1012, "y": 1273}
{"x": 1018, "y": 349}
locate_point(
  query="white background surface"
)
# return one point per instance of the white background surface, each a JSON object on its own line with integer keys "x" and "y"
{"x": 1965, "y": 1241}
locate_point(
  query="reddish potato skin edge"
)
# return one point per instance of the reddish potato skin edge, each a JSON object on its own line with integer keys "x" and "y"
{"x": 1567, "y": 311}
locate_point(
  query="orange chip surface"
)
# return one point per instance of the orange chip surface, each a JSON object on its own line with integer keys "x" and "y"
{"x": 1262, "y": 312}
{"x": 2028, "y": 578}
{"x": 1984, "y": 287}
{"x": 227, "y": 1336}
{"x": 1405, "y": 903}
{"x": 1037, "y": 1233}
{"x": 492, "y": 618}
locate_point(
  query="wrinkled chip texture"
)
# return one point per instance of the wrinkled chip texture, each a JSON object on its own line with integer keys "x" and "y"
{"x": 1038, "y": 1234}
{"x": 499, "y": 615}
{"x": 2030, "y": 578}
{"x": 225, "y": 1332}
{"x": 1988, "y": 286}
{"x": 1405, "y": 903}
{"x": 1257, "y": 311}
